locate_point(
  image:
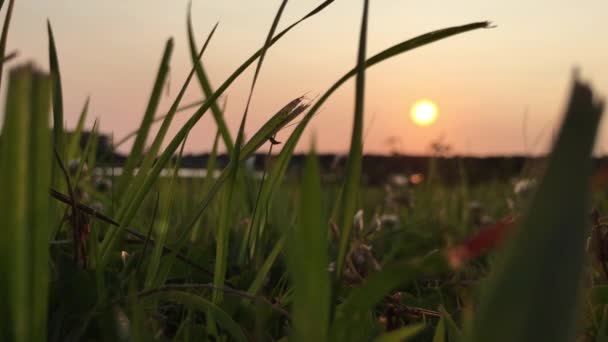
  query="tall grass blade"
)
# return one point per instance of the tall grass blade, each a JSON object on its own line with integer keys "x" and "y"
{"x": 440, "y": 331}
{"x": 24, "y": 206}
{"x": 208, "y": 91}
{"x": 352, "y": 178}
{"x": 535, "y": 283}
{"x": 308, "y": 259}
{"x": 137, "y": 150}
{"x": 263, "y": 272}
{"x": 57, "y": 96}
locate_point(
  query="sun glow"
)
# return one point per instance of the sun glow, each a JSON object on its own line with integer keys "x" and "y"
{"x": 424, "y": 112}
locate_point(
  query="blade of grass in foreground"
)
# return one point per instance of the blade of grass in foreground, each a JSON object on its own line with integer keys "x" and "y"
{"x": 309, "y": 259}
{"x": 24, "y": 206}
{"x": 350, "y": 195}
{"x": 146, "y": 122}
{"x": 57, "y": 100}
{"x": 532, "y": 293}
{"x": 218, "y": 114}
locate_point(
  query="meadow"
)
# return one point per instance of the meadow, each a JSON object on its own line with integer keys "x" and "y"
{"x": 88, "y": 255}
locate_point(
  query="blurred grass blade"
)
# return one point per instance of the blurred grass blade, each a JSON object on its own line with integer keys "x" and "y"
{"x": 195, "y": 302}
{"x": 537, "y": 278}
{"x": 218, "y": 114}
{"x": 137, "y": 150}
{"x": 602, "y": 331}
{"x": 24, "y": 206}
{"x": 352, "y": 178}
{"x": 308, "y": 260}
{"x": 453, "y": 331}
{"x": 440, "y": 331}
{"x": 74, "y": 143}
{"x": 403, "y": 334}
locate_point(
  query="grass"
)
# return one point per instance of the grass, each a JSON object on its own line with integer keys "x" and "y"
{"x": 291, "y": 256}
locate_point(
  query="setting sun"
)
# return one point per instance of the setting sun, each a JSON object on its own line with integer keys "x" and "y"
{"x": 424, "y": 112}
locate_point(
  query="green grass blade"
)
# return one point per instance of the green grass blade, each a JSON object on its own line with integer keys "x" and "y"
{"x": 208, "y": 91}
{"x": 262, "y": 273}
{"x": 4, "y": 37}
{"x": 57, "y": 94}
{"x": 24, "y": 206}
{"x": 602, "y": 332}
{"x": 453, "y": 331}
{"x": 137, "y": 150}
{"x": 403, "y": 334}
{"x": 39, "y": 205}
{"x": 14, "y": 206}
{"x": 74, "y": 143}
{"x": 195, "y": 302}
{"x": 440, "y": 331}
{"x": 536, "y": 280}
{"x": 352, "y": 178}
{"x": 309, "y": 259}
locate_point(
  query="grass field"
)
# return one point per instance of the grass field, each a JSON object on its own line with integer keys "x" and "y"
{"x": 92, "y": 256}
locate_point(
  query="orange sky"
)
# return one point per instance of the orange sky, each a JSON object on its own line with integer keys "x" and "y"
{"x": 483, "y": 82}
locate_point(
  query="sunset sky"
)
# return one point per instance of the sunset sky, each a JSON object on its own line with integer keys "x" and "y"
{"x": 498, "y": 91}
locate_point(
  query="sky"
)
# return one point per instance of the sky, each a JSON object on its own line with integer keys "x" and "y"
{"x": 499, "y": 91}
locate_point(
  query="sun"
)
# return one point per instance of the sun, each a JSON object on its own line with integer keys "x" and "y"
{"x": 424, "y": 112}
